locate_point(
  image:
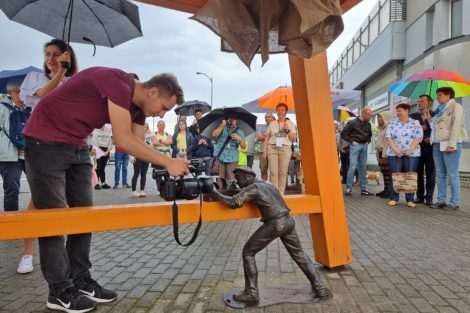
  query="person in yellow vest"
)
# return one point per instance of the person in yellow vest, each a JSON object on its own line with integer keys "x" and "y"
{"x": 162, "y": 140}
{"x": 242, "y": 158}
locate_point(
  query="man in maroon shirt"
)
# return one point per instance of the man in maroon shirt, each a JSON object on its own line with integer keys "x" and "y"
{"x": 59, "y": 165}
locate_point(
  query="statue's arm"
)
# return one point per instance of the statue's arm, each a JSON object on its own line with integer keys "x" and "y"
{"x": 230, "y": 202}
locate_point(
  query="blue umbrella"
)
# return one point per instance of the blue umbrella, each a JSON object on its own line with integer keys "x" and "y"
{"x": 7, "y": 75}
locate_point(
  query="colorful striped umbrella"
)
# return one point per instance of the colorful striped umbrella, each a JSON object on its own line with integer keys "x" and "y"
{"x": 426, "y": 82}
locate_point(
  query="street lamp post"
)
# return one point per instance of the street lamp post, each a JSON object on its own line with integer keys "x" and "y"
{"x": 212, "y": 84}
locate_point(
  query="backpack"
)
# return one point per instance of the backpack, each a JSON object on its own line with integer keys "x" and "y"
{"x": 18, "y": 120}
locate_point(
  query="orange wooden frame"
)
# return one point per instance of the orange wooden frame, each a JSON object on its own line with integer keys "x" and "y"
{"x": 323, "y": 200}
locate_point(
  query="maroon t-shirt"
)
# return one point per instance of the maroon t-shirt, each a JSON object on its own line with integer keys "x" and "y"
{"x": 71, "y": 112}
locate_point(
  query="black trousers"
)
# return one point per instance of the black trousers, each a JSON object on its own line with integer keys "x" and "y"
{"x": 59, "y": 176}
{"x": 100, "y": 168}
{"x": 426, "y": 165}
{"x": 140, "y": 168}
{"x": 344, "y": 157}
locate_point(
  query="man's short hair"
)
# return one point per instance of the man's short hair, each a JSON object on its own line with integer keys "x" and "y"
{"x": 168, "y": 86}
{"x": 430, "y": 100}
{"x": 231, "y": 115}
{"x": 404, "y": 106}
{"x": 197, "y": 110}
{"x": 366, "y": 109}
{"x": 447, "y": 91}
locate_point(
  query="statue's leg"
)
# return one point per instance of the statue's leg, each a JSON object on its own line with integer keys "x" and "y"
{"x": 257, "y": 242}
{"x": 292, "y": 243}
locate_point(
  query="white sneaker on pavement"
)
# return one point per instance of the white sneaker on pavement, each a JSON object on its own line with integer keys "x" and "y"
{"x": 143, "y": 194}
{"x": 26, "y": 264}
{"x": 135, "y": 194}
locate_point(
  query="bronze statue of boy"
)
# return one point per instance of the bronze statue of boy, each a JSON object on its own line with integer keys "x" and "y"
{"x": 277, "y": 223}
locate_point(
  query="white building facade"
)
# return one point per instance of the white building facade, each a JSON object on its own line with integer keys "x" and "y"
{"x": 398, "y": 38}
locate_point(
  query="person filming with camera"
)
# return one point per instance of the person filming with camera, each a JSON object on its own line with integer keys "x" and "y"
{"x": 59, "y": 166}
{"x": 228, "y": 159}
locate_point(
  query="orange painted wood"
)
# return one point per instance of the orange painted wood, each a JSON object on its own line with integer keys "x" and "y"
{"x": 191, "y": 6}
{"x": 50, "y": 222}
{"x": 310, "y": 81}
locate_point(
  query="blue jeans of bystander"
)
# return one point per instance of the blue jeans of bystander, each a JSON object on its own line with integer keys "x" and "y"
{"x": 447, "y": 167}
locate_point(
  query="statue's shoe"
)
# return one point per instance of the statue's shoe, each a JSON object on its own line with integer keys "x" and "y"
{"x": 322, "y": 295}
{"x": 246, "y": 297}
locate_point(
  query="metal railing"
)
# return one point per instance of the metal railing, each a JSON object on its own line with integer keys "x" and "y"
{"x": 382, "y": 14}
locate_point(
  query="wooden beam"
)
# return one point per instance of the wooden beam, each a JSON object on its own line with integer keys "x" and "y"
{"x": 310, "y": 82}
{"x": 51, "y": 222}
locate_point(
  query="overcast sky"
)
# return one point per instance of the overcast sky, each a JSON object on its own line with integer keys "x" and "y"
{"x": 173, "y": 43}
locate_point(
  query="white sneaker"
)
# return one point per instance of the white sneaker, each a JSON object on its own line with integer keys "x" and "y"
{"x": 135, "y": 194}
{"x": 143, "y": 194}
{"x": 26, "y": 264}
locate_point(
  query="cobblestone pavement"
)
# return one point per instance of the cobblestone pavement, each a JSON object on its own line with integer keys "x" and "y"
{"x": 404, "y": 260}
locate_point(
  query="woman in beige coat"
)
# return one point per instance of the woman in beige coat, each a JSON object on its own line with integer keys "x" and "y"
{"x": 448, "y": 132}
{"x": 381, "y": 148}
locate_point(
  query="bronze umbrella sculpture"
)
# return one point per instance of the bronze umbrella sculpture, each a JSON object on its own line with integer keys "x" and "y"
{"x": 299, "y": 27}
{"x": 104, "y": 23}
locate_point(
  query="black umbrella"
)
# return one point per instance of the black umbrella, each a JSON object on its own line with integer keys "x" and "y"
{"x": 246, "y": 120}
{"x": 189, "y": 107}
{"x": 105, "y": 23}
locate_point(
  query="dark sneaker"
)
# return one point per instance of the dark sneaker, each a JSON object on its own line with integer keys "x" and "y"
{"x": 126, "y": 186}
{"x": 428, "y": 202}
{"x": 451, "y": 207}
{"x": 380, "y": 194}
{"x": 348, "y": 193}
{"x": 71, "y": 300}
{"x": 322, "y": 295}
{"x": 115, "y": 187}
{"x": 366, "y": 193}
{"x": 97, "y": 187}
{"x": 95, "y": 292}
{"x": 419, "y": 200}
{"x": 246, "y": 297}
{"x": 438, "y": 205}
{"x": 105, "y": 186}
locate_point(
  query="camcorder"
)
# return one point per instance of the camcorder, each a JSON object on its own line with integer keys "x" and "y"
{"x": 171, "y": 188}
{"x": 229, "y": 123}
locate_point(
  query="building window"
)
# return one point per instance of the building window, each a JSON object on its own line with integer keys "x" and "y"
{"x": 456, "y": 18}
{"x": 430, "y": 28}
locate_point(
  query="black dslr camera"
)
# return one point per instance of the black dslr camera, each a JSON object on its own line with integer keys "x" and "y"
{"x": 183, "y": 188}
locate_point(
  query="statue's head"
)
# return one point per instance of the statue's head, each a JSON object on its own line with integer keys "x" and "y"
{"x": 244, "y": 176}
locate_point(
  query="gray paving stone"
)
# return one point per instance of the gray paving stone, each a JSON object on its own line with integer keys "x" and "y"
{"x": 403, "y": 261}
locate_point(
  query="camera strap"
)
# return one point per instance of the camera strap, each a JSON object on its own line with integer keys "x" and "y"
{"x": 176, "y": 223}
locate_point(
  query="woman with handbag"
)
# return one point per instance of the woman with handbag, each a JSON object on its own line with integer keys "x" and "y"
{"x": 403, "y": 137}
{"x": 448, "y": 132}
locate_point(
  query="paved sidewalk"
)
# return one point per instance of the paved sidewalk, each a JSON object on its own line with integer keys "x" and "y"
{"x": 404, "y": 260}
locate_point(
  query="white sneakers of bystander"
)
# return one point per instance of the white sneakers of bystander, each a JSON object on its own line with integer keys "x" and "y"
{"x": 26, "y": 264}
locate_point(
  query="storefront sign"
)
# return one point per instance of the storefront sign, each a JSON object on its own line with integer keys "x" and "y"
{"x": 378, "y": 102}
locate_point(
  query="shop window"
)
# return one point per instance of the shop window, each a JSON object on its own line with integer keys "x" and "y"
{"x": 456, "y": 18}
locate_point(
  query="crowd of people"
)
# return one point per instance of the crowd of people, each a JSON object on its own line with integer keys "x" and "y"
{"x": 67, "y": 146}
{"x": 76, "y": 119}
{"x": 427, "y": 143}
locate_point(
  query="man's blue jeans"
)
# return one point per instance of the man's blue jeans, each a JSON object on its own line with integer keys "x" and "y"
{"x": 121, "y": 160}
{"x": 11, "y": 174}
{"x": 447, "y": 167}
{"x": 357, "y": 159}
{"x": 402, "y": 165}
